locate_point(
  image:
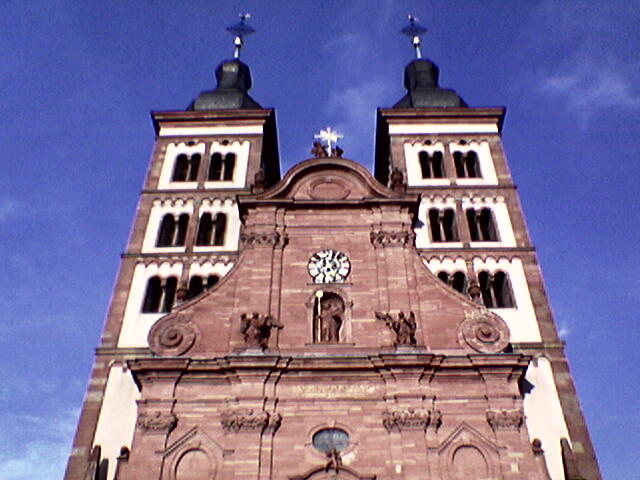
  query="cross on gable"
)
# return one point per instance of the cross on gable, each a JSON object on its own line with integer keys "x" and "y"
{"x": 330, "y": 137}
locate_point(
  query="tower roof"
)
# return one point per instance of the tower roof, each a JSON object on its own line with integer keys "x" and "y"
{"x": 234, "y": 81}
{"x": 423, "y": 91}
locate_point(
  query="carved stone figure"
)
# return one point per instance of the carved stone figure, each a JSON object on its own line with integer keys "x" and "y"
{"x": 334, "y": 461}
{"x": 256, "y": 329}
{"x": 318, "y": 150}
{"x": 397, "y": 180}
{"x": 329, "y": 318}
{"x": 337, "y": 152}
{"x": 259, "y": 180}
{"x": 403, "y": 327}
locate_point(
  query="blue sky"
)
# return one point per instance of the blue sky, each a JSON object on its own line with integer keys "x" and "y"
{"x": 78, "y": 80}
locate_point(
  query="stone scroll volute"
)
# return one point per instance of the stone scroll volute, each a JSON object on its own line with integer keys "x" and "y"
{"x": 173, "y": 335}
{"x": 484, "y": 332}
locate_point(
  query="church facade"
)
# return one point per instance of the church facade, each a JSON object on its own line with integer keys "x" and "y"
{"x": 330, "y": 323}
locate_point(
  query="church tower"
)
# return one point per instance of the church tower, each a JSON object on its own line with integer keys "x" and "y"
{"x": 330, "y": 324}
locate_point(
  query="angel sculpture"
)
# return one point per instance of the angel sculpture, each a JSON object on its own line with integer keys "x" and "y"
{"x": 318, "y": 150}
{"x": 404, "y": 327}
{"x": 256, "y": 329}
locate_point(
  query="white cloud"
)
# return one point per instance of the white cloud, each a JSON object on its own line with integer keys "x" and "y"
{"x": 563, "y": 330}
{"x": 587, "y": 85}
{"x": 358, "y": 91}
{"x": 44, "y": 454}
{"x": 8, "y": 208}
{"x": 356, "y": 107}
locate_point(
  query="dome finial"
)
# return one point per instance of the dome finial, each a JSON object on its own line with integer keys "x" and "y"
{"x": 414, "y": 30}
{"x": 239, "y": 31}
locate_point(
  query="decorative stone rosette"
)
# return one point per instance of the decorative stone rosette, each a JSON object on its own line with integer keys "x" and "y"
{"x": 411, "y": 419}
{"x": 157, "y": 422}
{"x": 505, "y": 419}
{"x": 249, "y": 421}
{"x": 172, "y": 335}
{"x": 484, "y": 332}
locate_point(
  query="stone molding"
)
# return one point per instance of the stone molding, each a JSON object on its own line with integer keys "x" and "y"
{"x": 383, "y": 238}
{"x": 505, "y": 419}
{"x": 156, "y": 421}
{"x": 410, "y": 419}
{"x": 249, "y": 421}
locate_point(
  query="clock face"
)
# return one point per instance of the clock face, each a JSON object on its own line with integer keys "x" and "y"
{"x": 329, "y": 266}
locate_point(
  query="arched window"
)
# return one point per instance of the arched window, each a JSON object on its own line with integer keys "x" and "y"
{"x": 444, "y": 277}
{"x": 221, "y": 168}
{"x": 211, "y": 231}
{"x": 172, "y": 232}
{"x": 457, "y": 281}
{"x": 160, "y": 295}
{"x": 197, "y": 284}
{"x": 443, "y": 225}
{"x": 467, "y": 164}
{"x": 186, "y": 168}
{"x": 482, "y": 227}
{"x": 496, "y": 290}
{"x": 229, "y": 165}
{"x": 431, "y": 165}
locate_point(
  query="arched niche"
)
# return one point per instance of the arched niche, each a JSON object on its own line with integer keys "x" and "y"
{"x": 329, "y": 314}
{"x": 194, "y": 456}
{"x": 194, "y": 464}
{"x": 466, "y": 453}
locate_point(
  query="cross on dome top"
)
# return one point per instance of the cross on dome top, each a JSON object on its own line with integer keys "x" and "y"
{"x": 239, "y": 31}
{"x": 414, "y": 30}
{"x": 329, "y": 137}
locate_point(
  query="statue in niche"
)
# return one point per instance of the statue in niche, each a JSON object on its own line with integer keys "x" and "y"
{"x": 256, "y": 329}
{"x": 318, "y": 150}
{"x": 328, "y": 317}
{"x": 403, "y": 327}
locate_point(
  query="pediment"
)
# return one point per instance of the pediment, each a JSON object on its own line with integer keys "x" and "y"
{"x": 466, "y": 434}
{"x": 329, "y": 180}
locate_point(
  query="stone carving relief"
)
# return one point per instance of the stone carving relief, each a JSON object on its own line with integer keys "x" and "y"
{"x": 484, "y": 332}
{"x": 173, "y": 335}
{"x": 411, "y": 419}
{"x": 256, "y": 329}
{"x": 403, "y": 327}
{"x": 505, "y": 419}
{"x": 390, "y": 239}
{"x": 250, "y": 421}
{"x": 273, "y": 239}
{"x": 156, "y": 421}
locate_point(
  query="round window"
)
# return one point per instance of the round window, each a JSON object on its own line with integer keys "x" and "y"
{"x": 331, "y": 439}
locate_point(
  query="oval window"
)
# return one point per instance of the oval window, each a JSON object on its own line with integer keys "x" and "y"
{"x": 331, "y": 439}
